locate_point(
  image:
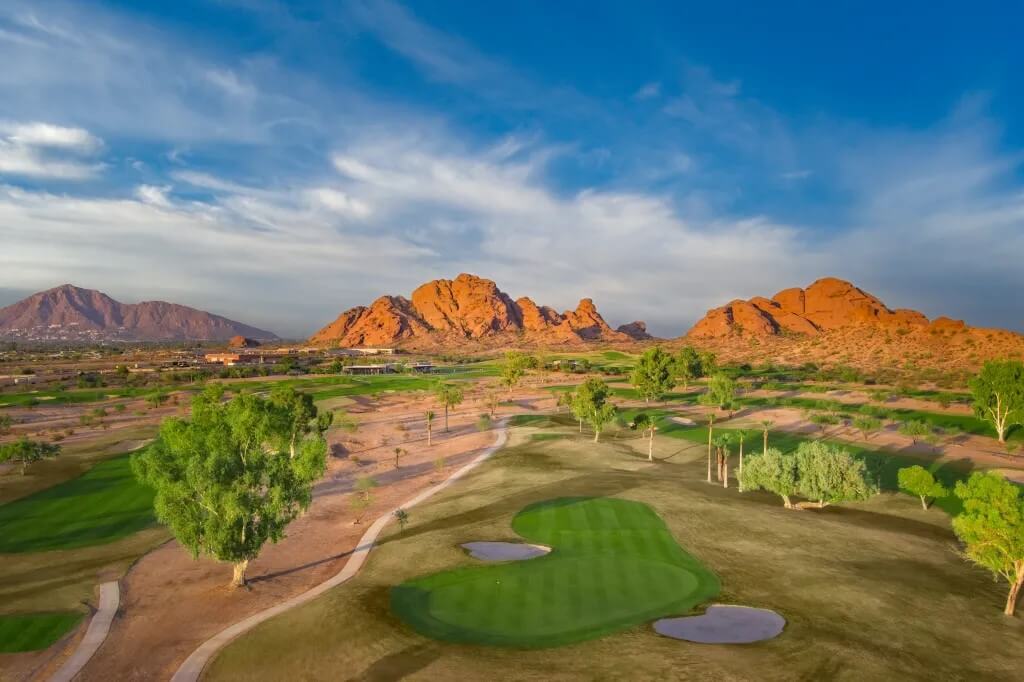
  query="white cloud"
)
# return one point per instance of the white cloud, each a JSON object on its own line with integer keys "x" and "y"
{"x": 43, "y": 150}
{"x": 154, "y": 196}
{"x": 648, "y": 91}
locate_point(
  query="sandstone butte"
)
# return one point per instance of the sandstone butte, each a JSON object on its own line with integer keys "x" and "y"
{"x": 826, "y": 305}
{"x": 469, "y": 309}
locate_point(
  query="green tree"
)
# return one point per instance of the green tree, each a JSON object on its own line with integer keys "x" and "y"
{"x": 652, "y": 376}
{"x": 867, "y": 425}
{"x": 403, "y": 518}
{"x": 301, "y": 415}
{"x": 708, "y": 363}
{"x": 828, "y": 474}
{"x": 774, "y": 472}
{"x": 687, "y": 366}
{"x": 514, "y": 368}
{"x": 991, "y": 526}
{"x": 491, "y": 401}
{"x": 224, "y": 482}
{"x": 25, "y": 452}
{"x": 916, "y": 480}
{"x": 646, "y": 425}
{"x": 721, "y": 393}
{"x": 6, "y": 422}
{"x": 998, "y": 393}
{"x": 915, "y": 430}
{"x": 157, "y": 399}
{"x": 449, "y": 395}
{"x": 591, "y": 404}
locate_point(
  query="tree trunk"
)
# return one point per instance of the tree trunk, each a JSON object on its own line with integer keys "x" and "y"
{"x": 924, "y": 503}
{"x": 446, "y": 418}
{"x": 238, "y": 578}
{"x": 786, "y": 502}
{"x": 725, "y": 475}
{"x": 650, "y": 446}
{"x": 581, "y": 425}
{"x": 711, "y": 428}
{"x": 597, "y": 435}
{"x": 1011, "y": 599}
{"x": 429, "y": 429}
{"x": 765, "y": 442}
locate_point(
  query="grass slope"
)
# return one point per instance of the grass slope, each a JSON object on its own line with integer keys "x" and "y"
{"x": 614, "y": 565}
{"x": 104, "y": 504}
{"x": 34, "y": 631}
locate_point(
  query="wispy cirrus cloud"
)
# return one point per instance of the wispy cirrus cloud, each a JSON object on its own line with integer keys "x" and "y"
{"x": 44, "y": 150}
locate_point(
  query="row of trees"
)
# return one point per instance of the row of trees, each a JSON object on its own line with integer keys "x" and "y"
{"x": 657, "y": 372}
{"x": 822, "y": 473}
{"x": 24, "y": 452}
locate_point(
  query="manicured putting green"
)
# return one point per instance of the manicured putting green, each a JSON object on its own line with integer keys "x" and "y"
{"x": 101, "y": 505}
{"x": 614, "y": 565}
{"x": 34, "y": 631}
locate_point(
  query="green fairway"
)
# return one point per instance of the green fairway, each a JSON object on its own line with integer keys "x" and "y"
{"x": 34, "y": 631}
{"x": 101, "y": 505}
{"x": 614, "y": 565}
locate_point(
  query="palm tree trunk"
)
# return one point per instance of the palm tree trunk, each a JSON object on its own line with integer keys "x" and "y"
{"x": 446, "y": 418}
{"x": 650, "y": 446}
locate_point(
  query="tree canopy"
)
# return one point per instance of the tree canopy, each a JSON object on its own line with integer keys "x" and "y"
{"x": 25, "y": 452}
{"x": 918, "y": 481}
{"x": 721, "y": 392}
{"x": 225, "y": 480}
{"x": 771, "y": 471}
{"x": 515, "y": 366}
{"x": 991, "y": 526}
{"x": 590, "y": 404}
{"x": 828, "y": 474}
{"x": 998, "y": 393}
{"x": 652, "y": 376}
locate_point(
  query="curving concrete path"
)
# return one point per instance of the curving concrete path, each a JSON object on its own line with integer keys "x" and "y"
{"x": 193, "y": 666}
{"x": 99, "y": 626}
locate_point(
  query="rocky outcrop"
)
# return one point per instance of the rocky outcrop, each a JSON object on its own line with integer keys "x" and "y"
{"x": 635, "y": 330}
{"x": 827, "y": 304}
{"x": 464, "y": 309}
{"x": 69, "y": 313}
{"x": 239, "y": 341}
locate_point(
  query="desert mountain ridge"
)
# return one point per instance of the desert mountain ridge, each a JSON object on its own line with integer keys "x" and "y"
{"x": 833, "y": 321}
{"x": 70, "y": 313}
{"x": 470, "y": 310}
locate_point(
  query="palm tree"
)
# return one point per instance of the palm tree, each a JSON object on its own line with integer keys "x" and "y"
{"x": 644, "y": 423}
{"x": 711, "y": 429}
{"x": 766, "y": 424}
{"x": 430, "y": 420}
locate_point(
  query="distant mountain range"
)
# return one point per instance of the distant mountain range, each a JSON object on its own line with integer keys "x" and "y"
{"x": 71, "y": 314}
{"x": 469, "y": 311}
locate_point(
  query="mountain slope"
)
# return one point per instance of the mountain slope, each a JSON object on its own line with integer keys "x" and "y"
{"x": 467, "y": 310}
{"x": 69, "y": 313}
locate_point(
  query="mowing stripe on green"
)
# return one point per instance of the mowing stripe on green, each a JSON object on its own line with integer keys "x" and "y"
{"x": 34, "y": 631}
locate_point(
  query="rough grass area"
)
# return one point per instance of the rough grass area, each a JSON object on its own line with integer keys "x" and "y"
{"x": 613, "y": 565}
{"x": 34, "y": 631}
{"x": 870, "y": 591}
{"x": 104, "y": 504}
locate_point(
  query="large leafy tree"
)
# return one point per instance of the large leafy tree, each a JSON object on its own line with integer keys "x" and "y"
{"x": 449, "y": 395}
{"x": 687, "y": 366}
{"x": 25, "y": 452}
{"x": 918, "y": 481}
{"x": 828, "y": 474}
{"x": 721, "y": 392}
{"x": 224, "y": 479}
{"x": 991, "y": 527}
{"x": 652, "y": 376}
{"x": 514, "y": 367}
{"x": 591, "y": 405}
{"x": 300, "y": 414}
{"x": 774, "y": 472}
{"x": 998, "y": 393}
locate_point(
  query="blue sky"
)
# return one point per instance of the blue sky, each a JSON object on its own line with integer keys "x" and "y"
{"x": 279, "y": 162}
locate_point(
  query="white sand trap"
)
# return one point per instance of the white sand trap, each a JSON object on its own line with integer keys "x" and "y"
{"x": 685, "y": 421}
{"x": 504, "y": 551}
{"x": 724, "y": 624}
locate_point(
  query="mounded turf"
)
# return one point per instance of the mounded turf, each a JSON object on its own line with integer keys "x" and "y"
{"x": 103, "y": 504}
{"x": 614, "y": 565}
{"x": 34, "y": 631}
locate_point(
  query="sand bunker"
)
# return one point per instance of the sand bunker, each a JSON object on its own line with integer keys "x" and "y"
{"x": 685, "y": 421}
{"x": 504, "y": 551}
{"x": 722, "y": 624}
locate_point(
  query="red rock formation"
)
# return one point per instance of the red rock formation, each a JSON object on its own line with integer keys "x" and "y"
{"x": 239, "y": 341}
{"x": 468, "y": 307}
{"x": 827, "y": 304}
{"x": 635, "y": 330}
{"x": 70, "y": 313}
